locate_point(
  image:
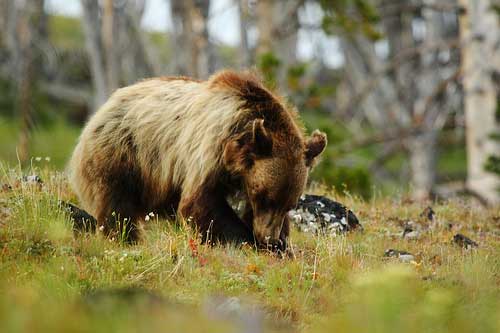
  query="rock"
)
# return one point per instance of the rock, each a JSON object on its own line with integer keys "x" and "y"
{"x": 246, "y": 317}
{"x": 6, "y": 187}
{"x": 464, "y": 241}
{"x": 319, "y": 214}
{"x": 82, "y": 221}
{"x": 428, "y": 213}
{"x": 401, "y": 255}
{"x": 411, "y": 234}
{"x": 411, "y": 230}
{"x": 32, "y": 179}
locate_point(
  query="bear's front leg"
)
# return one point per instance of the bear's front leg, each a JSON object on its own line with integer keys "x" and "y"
{"x": 214, "y": 217}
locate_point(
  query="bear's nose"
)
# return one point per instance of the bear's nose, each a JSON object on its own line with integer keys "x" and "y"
{"x": 267, "y": 230}
{"x": 275, "y": 246}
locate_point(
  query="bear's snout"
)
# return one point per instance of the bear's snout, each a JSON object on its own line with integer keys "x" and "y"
{"x": 267, "y": 230}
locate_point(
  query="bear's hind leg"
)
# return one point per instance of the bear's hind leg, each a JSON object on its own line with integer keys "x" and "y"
{"x": 118, "y": 217}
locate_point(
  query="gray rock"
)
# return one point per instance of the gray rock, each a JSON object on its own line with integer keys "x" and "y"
{"x": 401, "y": 255}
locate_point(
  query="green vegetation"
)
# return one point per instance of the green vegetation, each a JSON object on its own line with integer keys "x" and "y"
{"x": 53, "y": 281}
{"x": 53, "y": 142}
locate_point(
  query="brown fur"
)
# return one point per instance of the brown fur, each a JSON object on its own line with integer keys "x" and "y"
{"x": 180, "y": 145}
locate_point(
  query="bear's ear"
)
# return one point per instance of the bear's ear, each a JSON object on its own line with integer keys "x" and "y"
{"x": 314, "y": 146}
{"x": 240, "y": 152}
{"x": 262, "y": 144}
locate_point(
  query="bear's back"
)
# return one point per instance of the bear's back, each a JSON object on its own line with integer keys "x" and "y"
{"x": 169, "y": 132}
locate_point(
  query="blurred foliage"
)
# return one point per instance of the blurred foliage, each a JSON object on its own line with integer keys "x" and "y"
{"x": 345, "y": 175}
{"x": 351, "y": 16}
{"x": 308, "y": 96}
{"x": 269, "y": 65}
{"x": 493, "y": 162}
{"x": 66, "y": 32}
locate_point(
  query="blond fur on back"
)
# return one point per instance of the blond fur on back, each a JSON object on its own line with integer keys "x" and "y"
{"x": 171, "y": 130}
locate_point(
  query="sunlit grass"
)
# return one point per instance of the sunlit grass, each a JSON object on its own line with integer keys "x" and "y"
{"x": 53, "y": 281}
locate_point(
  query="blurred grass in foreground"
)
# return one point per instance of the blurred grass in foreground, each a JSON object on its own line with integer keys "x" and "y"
{"x": 52, "y": 281}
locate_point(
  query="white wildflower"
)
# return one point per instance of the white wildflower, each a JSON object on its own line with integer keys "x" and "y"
{"x": 47, "y": 159}
{"x": 38, "y": 159}
{"x": 146, "y": 218}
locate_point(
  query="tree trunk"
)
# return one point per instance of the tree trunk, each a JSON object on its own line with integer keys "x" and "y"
{"x": 264, "y": 26}
{"x": 480, "y": 37}
{"x": 92, "y": 27}
{"x": 25, "y": 24}
{"x": 110, "y": 31}
{"x": 244, "y": 49}
{"x": 181, "y": 33}
{"x": 423, "y": 164}
{"x": 429, "y": 74}
{"x": 203, "y": 58}
{"x": 193, "y": 51}
{"x": 138, "y": 57}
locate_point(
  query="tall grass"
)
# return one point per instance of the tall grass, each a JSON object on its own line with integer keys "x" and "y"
{"x": 53, "y": 281}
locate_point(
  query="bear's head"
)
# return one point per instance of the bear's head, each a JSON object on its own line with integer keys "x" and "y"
{"x": 273, "y": 171}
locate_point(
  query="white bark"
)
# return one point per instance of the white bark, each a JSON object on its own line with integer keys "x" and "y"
{"x": 110, "y": 31}
{"x": 423, "y": 164}
{"x": 264, "y": 26}
{"x": 139, "y": 58}
{"x": 480, "y": 36}
{"x": 244, "y": 50}
{"x": 192, "y": 49}
{"x": 92, "y": 27}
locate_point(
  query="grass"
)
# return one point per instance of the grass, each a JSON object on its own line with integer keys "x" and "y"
{"x": 53, "y": 281}
{"x": 55, "y": 141}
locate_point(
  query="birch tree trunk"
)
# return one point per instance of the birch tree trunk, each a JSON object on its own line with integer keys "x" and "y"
{"x": 110, "y": 32}
{"x": 422, "y": 149}
{"x": 192, "y": 49}
{"x": 244, "y": 50}
{"x": 202, "y": 48}
{"x": 429, "y": 74}
{"x": 264, "y": 26}
{"x": 139, "y": 58}
{"x": 92, "y": 28}
{"x": 480, "y": 37}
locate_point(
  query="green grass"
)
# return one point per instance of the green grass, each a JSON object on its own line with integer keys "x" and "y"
{"x": 49, "y": 145}
{"x": 53, "y": 281}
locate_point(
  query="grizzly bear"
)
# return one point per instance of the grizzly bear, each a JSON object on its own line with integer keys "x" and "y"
{"x": 174, "y": 145}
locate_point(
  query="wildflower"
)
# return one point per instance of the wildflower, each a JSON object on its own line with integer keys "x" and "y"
{"x": 146, "y": 218}
{"x": 101, "y": 228}
{"x": 151, "y": 214}
{"x": 38, "y": 159}
{"x": 47, "y": 159}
